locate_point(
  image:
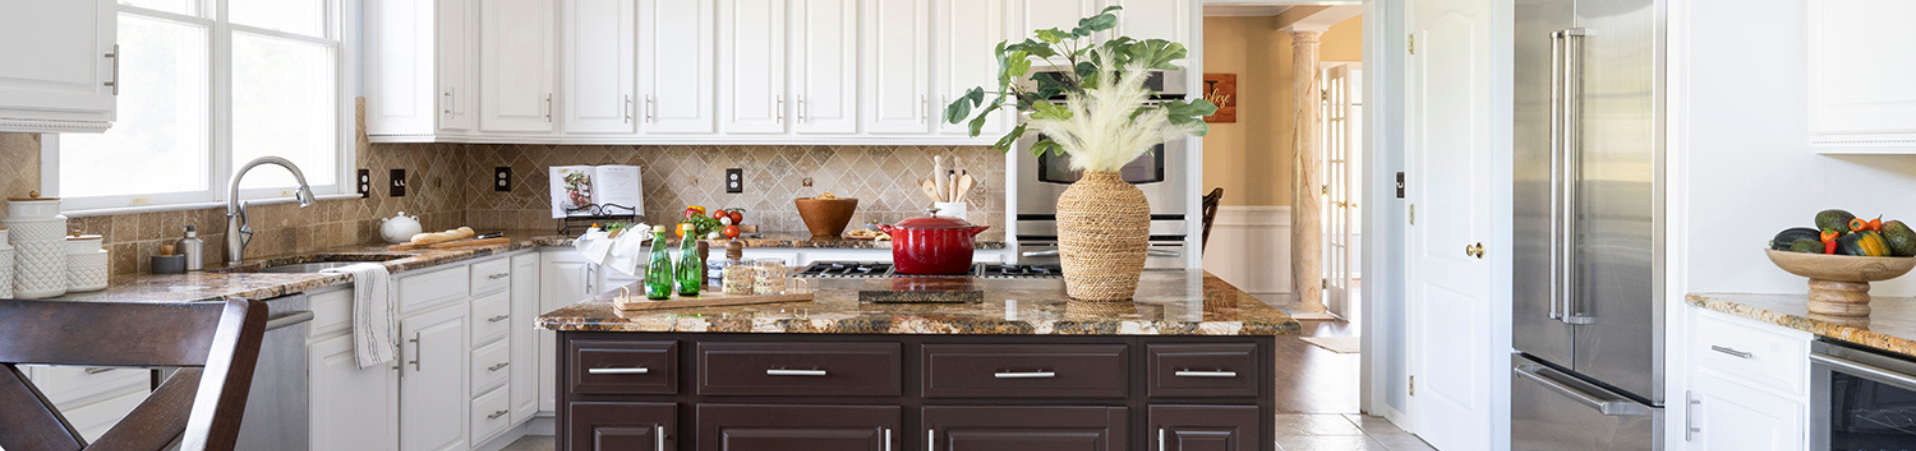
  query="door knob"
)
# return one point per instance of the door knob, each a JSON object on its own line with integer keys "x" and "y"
{"x": 1475, "y": 250}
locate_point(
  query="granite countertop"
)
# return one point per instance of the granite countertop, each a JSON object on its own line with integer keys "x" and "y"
{"x": 805, "y": 240}
{"x": 1169, "y": 302}
{"x": 1890, "y": 326}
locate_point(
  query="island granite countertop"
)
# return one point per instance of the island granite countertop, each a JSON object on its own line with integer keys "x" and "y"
{"x": 1169, "y": 302}
{"x": 1890, "y": 326}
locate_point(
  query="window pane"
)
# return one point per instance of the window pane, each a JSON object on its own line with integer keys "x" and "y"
{"x": 284, "y": 105}
{"x": 159, "y": 142}
{"x": 307, "y": 17}
{"x": 186, "y": 7}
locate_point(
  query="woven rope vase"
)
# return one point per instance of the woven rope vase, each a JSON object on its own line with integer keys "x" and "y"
{"x": 1104, "y": 229}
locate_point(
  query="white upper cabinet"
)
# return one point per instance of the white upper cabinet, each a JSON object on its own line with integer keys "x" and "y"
{"x": 600, "y": 66}
{"x": 897, "y": 44}
{"x": 676, "y": 71}
{"x": 1154, "y": 19}
{"x": 457, "y": 33}
{"x": 515, "y": 65}
{"x": 61, "y": 65}
{"x": 399, "y": 59}
{"x": 752, "y": 66}
{"x": 824, "y": 66}
{"x": 1861, "y": 100}
{"x": 1045, "y": 14}
{"x": 968, "y": 32}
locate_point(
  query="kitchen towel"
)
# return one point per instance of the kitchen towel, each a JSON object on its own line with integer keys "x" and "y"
{"x": 375, "y": 325}
{"x": 624, "y": 253}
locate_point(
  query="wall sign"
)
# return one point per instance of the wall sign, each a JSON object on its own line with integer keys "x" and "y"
{"x": 1221, "y": 90}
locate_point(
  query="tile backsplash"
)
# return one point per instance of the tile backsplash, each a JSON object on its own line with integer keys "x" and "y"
{"x": 450, "y": 185}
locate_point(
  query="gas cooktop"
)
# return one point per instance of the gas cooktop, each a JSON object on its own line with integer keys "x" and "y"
{"x": 864, "y": 270}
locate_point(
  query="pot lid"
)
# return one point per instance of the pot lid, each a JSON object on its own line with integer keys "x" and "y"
{"x": 31, "y": 196}
{"x": 932, "y": 221}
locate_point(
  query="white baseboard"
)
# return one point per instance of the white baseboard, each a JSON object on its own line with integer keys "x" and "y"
{"x": 1251, "y": 248}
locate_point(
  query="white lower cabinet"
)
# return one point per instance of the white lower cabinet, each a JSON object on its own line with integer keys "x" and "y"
{"x": 352, "y": 408}
{"x": 564, "y": 278}
{"x": 1748, "y": 386}
{"x": 432, "y": 384}
{"x": 1729, "y": 416}
{"x": 525, "y": 351}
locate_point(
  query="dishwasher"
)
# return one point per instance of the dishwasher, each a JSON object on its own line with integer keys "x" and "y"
{"x": 277, "y": 407}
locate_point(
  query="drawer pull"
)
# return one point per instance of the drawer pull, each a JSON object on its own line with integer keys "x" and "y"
{"x": 498, "y": 276}
{"x": 1191, "y": 373}
{"x": 498, "y": 318}
{"x": 659, "y": 436}
{"x": 786, "y": 372}
{"x": 634, "y": 370}
{"x": 1732, "y": 351}
{"x": 496, "y": 415}
{"x": 91, "y": 371}
{"x": 1025, "y": 375}
{"x": 498, "y": 367}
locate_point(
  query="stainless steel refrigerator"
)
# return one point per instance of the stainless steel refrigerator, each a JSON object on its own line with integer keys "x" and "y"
{"x": 1587, "y": 371}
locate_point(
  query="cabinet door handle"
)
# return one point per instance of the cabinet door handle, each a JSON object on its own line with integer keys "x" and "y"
{"x": 658, "y": 434}
{"x": 498, "y": 276}
{"x": 498, "y": 318}
{"x": 548, "y": 107}
{"x": 416, "y": 347}
{"x": 1732, "y": 351}
{"x": 924, "y": 105}
{"x": 97, "y": 370}
{"x": 115, "y": 82}
{"x": 781, "y": 109}
{"x": 804, "y": 111}
{"x": 931, "y": 440}
{"x": 651, "y": 109}
{"x": 887, "y": 438}
{"x": 448, "y": 102}
{"x": 496, "y": 415}
{"x": 1689, "y": 416}
{"x": 628, "y": 109}
{"x": 1024, "y": 375}
{"x": 632, "y": 370}
{"x": 497, "y": 367}
{"x": 1193, "y": 373}
{"x": 786, "y": 372}
{"x": 1161, "y": 440}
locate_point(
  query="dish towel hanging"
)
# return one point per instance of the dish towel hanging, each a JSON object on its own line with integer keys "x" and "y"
{"x": 375, "y": 325}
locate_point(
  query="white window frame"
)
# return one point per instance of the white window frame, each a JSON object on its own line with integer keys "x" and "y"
{"x": 343, "y": 28}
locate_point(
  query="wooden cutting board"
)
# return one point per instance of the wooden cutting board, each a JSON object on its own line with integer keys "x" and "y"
{"x": 469, "y": 242}
{"x": 637, "y": 302}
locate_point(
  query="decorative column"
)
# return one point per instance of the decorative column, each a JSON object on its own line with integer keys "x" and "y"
{"x": 1307, "y": 222}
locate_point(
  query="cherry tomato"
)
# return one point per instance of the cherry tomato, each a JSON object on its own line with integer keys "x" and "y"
{"x": 738, "y": 216}
{"x": 731, "y": 231}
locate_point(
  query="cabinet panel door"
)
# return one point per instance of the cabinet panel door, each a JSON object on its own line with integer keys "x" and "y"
{"x": 58, "y": 58}
{"x": 352, "y": 408}
{"x": 1169, "y": 20}
{"x": 457, "y": 35}
{"x": 399, "y": 67}
{"x": 982, "y": 428}
{"x": 897, "y": 58}
{"x": 1204, "y": 428}
{"x": 432, "y": 387}
{"x": 967, "y": 32}
{"x": 515, "y": 55}
{"x": 563, "y": 279}
{"x": 825, "y": 66}
{"x": 752, "y": 65}
{"x": 676, "y": 71}
{"x": 622, "y": 426}
{"x": 525, "y": 351}
{"x": 724, "y": 427}
{"x": 601, "y": 58}
{"x": 1046, "y": 14}
{"x": 1730, "y": 416}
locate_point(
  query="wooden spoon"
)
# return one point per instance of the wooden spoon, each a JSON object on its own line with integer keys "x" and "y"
{"x": 965, "y": 182}
{"x": 931, "y": 189}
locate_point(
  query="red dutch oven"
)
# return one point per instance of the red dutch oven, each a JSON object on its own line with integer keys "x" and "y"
{"x": 932, "y": 246}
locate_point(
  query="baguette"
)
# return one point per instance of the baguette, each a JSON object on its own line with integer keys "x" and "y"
{"x": 441, "y": 237}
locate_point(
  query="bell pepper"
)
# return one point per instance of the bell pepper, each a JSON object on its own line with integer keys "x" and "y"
{"x": 1830, "y": 235}
{"x": 1876, "y": 225}
{"x": 694, "y": 210}
{"x": 1829, "y": 247}
{"x": 1858, "y": 225}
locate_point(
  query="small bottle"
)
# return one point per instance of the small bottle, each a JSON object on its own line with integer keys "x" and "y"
{"x": 194, "y": 248}
{"x": 658, "y": 270}
{"x": 691, "y": 269}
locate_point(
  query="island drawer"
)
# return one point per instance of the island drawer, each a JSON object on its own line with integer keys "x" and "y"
{"x": 800, "y": 369}
{"x": 623, "y": 367}
{"x": 1026, "y": 370}
{"x": 1202, "y": 370}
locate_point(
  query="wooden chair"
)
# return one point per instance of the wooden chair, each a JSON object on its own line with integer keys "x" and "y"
{"x": 1210, "y": 214}
{"x": 214, "y": 345}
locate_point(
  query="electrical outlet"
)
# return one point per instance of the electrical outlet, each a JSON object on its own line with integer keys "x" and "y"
{"x": 365, "y": 183}
{"x": 1400, "y": 185}
{"x": 397, "y": 183}
{"x": 502, "y": 179}
{"x": 734, "y": 180}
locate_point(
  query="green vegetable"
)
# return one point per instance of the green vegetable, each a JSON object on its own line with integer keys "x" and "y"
{"x": 1806, "y": 245}
{"x": 704, "y": 224}
{"x": 1902, "y": 240}
{"x": 1834, "y": 219}
{"x": 1788, "y": 237}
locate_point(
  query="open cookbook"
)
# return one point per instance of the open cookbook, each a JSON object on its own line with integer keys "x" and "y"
{"x": 613, "y": 189}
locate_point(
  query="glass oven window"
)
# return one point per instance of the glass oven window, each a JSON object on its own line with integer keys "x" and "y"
{"x": 1148, "y": 168}
{"x": 1868, "y": 415}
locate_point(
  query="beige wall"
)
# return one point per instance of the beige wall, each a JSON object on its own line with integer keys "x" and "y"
{"x": 1251, "y": 158}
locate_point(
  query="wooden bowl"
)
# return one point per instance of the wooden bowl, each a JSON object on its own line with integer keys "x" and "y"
{"x": 826, "y": 218}
{"x": 1839, "y": 284}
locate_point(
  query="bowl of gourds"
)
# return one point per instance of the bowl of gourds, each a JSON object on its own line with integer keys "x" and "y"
{"x": 1842, "y": 255}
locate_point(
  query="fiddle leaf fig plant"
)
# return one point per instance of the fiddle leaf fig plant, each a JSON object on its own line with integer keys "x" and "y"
{"x": 1107, "y": 118}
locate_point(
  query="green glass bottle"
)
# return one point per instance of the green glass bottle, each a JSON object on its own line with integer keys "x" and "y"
{"x": 658, "y": 270}
{"x": 691, "y": 267}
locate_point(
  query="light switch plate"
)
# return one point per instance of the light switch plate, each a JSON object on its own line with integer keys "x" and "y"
{"x": 396, "y": 183}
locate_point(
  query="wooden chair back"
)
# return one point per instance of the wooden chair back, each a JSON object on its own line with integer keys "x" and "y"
{"x": 214, "y": 344}
{"x": 1210, "y": 214}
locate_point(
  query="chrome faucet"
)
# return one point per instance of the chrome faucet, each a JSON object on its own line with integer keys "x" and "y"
{"x": 237, "y": 232}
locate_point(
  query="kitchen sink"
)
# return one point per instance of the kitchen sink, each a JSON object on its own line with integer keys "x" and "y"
{"x": 309, "y": 263}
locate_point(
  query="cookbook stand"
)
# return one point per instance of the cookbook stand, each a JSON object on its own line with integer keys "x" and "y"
{"x": 582, "y": 218}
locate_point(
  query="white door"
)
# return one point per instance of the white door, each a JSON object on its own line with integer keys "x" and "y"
{"x": 458, "y": 30}
{"x": 967, "y": 32}
{"x": 400, "y": 99}
{"x": 825, "y": 66}
{"x": 59, "y": 59}
{"x": 564, "y": 278}
{"x": 601, "y": 75}
{"x": 676, "y": 73}
{"x": 525, "y": 351}
{"x": 1169, "y": 20}
{"x": 897, "y": 57}
{"x": 352, "y": 408}
{"x": 1340, "y": 140}
{"x": 752, "y": 66}
{"x": 1731, "y": 417}
{"x": 432, "y": 384}
{"x": 1451, "y": 213}
{"x": 515, "y": 60}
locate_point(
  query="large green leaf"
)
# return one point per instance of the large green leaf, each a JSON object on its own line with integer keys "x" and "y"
{"x": 1010, "y": 139}
{"x": 961, "y": 109}
{"x": 1100, "y": 22}
{"x": 978, "y": 123}
{"x": 1048, "y": 110}
{"x": 1053, "y": 35}
{"x": 1156, "y": 53}
{"x": 1043, "y": 146}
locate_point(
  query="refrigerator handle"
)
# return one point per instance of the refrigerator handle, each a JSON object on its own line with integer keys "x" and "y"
{"x": 1615, "y": 408}
{"x": 1571, "y": 150}
{"x": 1556, "y": 177}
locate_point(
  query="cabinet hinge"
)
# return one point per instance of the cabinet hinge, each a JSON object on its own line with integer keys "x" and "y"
{"x": 1413, "y": 44}
{"x": 1326, "y": 283}
{"x": 1413, "y": 385}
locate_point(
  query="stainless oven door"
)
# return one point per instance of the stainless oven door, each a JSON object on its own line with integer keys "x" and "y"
{"x": 1860, "y": 399}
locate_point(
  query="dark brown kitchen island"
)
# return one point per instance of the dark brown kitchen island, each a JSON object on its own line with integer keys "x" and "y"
{"x": 1187, "y": 365}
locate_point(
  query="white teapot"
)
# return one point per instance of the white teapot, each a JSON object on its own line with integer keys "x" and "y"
{"x": 399, "y": 229}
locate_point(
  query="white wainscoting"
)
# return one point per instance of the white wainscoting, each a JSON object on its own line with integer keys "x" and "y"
{"x": 1251, "y": 248}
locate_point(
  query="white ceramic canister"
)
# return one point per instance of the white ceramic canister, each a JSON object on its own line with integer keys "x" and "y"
{"x": 37, "y": 232}
{"x": 6, "y": 266}
{"x": 86, "y": 264}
